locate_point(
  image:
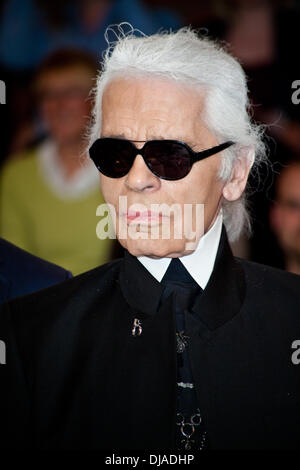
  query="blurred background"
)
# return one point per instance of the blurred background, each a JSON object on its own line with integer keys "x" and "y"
{"x": 49, "y": 53}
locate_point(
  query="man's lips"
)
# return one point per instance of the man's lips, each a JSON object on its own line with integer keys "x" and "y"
{"x": 145, "y": 216}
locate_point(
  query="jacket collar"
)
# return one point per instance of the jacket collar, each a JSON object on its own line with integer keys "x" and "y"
{"x": 220, "y": 301}
{"x": 140, "y": 289}
{"x": 224, "y": 294}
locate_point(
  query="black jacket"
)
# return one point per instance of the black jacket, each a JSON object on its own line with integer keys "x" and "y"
{"x": 76, "y": 377}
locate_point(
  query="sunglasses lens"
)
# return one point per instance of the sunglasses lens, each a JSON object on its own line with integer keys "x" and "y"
{"x": 169, "y": 160}
{"x": 112, "y": 157}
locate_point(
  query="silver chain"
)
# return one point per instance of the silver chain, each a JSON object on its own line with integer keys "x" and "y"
{"x": 187, "y": 429}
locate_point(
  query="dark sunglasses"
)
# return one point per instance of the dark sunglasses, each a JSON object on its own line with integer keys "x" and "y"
{"x": 167, "y": 159}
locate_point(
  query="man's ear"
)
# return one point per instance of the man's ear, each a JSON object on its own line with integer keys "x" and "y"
{"x": 235, "y": 186}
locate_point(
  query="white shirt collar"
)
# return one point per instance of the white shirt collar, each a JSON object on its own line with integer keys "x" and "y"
{"x": 199, "y": 264}
{"x": 83, "y": 183}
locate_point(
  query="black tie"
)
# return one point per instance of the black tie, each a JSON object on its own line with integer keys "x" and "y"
{"x": 190, "y": 433}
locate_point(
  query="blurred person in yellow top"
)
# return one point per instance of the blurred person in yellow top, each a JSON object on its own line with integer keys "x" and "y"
{"x": 49, "y": 194}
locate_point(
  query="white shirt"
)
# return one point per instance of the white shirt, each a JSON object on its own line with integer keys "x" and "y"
{"x": 199, "y": 264}
{"x": 84, "y": 182}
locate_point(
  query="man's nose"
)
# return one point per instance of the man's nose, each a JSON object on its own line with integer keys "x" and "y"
{"x": 140, "y": 178}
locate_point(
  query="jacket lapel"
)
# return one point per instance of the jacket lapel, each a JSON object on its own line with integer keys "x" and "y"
{"x": 224, "y": 294}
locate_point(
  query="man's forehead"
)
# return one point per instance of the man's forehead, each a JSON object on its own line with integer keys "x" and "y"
{"x": 132, "y": 108}
{"x": 160, "y": 91}
{"x": 150, "y": 136}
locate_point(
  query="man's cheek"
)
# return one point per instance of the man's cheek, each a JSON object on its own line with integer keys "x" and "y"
{"x": 107, "y": 192}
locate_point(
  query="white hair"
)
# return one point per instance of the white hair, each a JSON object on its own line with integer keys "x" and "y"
{"x": 203, "y": 64}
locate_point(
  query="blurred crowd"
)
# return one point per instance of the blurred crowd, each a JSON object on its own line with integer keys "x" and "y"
{"x": 50, "y": 52}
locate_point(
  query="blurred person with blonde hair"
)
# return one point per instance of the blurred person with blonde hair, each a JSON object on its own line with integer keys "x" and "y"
{"x": 49, "y": 194}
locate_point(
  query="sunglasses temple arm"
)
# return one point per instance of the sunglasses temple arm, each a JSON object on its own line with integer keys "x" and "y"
{"x": 212, "y": 151}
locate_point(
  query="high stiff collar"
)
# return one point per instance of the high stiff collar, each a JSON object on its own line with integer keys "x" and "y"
{"x": 199, "y": 263}
{"x": 220, "y": 301}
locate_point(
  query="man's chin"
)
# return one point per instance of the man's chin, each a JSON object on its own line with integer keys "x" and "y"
{"x": 155, "y": 248}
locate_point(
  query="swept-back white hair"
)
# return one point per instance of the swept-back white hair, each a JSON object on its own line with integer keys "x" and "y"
{"x": 203, "y": 64}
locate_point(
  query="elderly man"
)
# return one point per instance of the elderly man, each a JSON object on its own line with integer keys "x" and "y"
{"x": 178, "y": 345}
